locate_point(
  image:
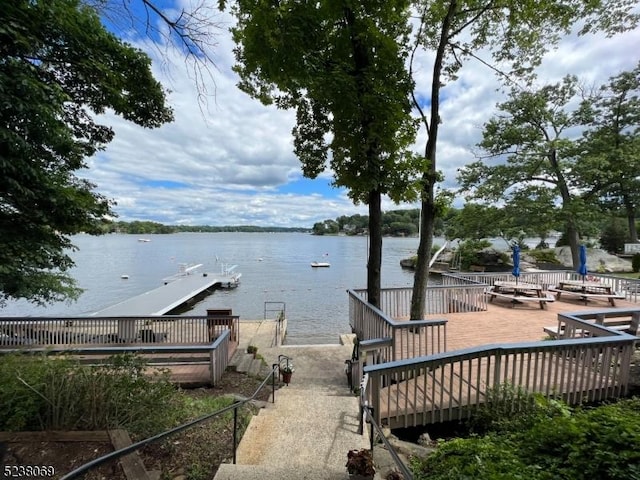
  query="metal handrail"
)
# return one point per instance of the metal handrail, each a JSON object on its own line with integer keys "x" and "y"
{"x": 135, "y": 446}
{"x": 406, "y": 473}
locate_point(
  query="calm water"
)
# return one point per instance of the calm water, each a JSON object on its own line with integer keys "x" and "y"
{"x": 275, "y": 267}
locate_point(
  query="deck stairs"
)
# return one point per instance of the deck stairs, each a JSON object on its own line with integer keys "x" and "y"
{"x": 313, "y": 423}
{"x": 243, "y": 362}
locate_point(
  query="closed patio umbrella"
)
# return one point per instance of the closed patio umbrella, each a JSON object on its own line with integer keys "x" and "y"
{"x": 582, "y": 269}
{"x": 516, "y": 262}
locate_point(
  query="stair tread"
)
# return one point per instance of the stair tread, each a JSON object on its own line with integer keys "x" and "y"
{"x": 276, "y": 472}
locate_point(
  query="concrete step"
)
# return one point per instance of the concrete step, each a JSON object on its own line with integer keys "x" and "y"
{"x": 241, "y": 362}
{"x": 281, "y": 472}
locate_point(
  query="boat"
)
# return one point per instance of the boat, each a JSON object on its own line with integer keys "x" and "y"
{"x": 144, "y": 240}
{"x": 124, "y": 276}
{"x": 320, "y": 264}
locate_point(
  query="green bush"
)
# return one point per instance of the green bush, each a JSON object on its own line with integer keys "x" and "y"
{"x": 635, "y": 262}
{"x": 591, "y": 443}
{"x": 544, "y": 256}
{"x": 510, "y": 408}
{"x": 486, "y": 458}
{"x": 469, "y": 252}
{"x": 613, "y": 236}
{"x": 47, "y": 393}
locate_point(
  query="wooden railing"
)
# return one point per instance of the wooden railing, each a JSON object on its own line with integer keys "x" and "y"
{"x": 591, "y": 366}
{"x": 84, "y": 331}
{"x": 406, "y": 339}
{"x": 570, "y": 325}
{"x": 630, "y": 288}
{"x": 466, "y": 296}
{"x": 159, "y": 340}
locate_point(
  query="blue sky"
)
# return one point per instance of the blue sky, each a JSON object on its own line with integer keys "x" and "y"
{"x": 230, "y": 161}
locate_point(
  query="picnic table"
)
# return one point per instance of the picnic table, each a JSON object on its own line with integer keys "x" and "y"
{"x": 586, "y": 290}
{"x": 520, "y": 292}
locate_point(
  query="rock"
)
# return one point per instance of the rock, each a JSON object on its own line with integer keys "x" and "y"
{"x": 425, "y": 440}
{"x": 597, "y": 260}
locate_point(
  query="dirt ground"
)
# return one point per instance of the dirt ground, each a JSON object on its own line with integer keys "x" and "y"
{"x": 191, "y": 455}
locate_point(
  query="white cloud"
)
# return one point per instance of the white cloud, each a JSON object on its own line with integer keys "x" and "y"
{"x": 226, "y": 159}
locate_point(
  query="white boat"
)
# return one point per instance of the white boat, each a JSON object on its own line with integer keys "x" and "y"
{"x": 320, "y": 264}
{"x": 144, "y": 240}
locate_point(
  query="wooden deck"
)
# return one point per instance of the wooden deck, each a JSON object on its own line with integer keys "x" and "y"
{"x": 449, "y": 386}
{"x": 502, "y": 324}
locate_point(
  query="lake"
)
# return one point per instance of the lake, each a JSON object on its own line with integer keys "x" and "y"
{"x": 275, "y": 267}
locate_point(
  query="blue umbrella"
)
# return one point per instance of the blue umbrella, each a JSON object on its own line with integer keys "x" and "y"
{"x": 582, "y": 269}
{"x": 516, "y": 262}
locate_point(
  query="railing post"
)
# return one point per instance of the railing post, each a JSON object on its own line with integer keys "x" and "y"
{"x": 496, "y": 369}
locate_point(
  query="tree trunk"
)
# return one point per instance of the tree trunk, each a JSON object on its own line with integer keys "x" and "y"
{"x": 428, "y": 212}
{"x": 421, "y": 274}
{"x": 573, "y": 235}
{"x": 374, "y": 262}
{"x": 631, "y": 220}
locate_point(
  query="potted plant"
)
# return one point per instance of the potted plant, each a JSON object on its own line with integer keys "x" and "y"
{"x": 253, "y": 350}
{"x": 286, "y": 371}
{"x": 360, "y": 464}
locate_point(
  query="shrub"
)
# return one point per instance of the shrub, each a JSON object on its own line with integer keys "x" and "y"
{"x": 510, "y": 408}
{"x": 487, "y": 458}
{"x": 590, "y": 443}
{"x": 469, "y": 252}
{"x": 53, "y": 393}
{"x": 613, "y": 236}
{"x": 544, "y": 256}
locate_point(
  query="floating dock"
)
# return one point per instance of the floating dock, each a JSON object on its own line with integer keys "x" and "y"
{"x": 166, "y": 298}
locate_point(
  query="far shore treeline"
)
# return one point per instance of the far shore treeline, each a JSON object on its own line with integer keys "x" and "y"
{"x": 147, "y": 227}
{"x": 472, "y": 222}
{"x": 395, "y": 223}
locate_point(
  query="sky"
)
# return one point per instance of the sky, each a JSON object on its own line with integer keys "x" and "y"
{"x": 228, "y": 159}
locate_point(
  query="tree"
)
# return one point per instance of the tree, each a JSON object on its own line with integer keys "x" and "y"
{"x": 531, "y": 131}
{"x": 341, "y": 66}
{"x": 58, "y": 64}
{"x": 516, "y": 34}
{"x": 192, "y": 31}
{"x": 610, "y": 149}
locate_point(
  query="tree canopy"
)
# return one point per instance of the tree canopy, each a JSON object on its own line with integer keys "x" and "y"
{"x": 509, "y": 37}
{"x": 548, "y": 163}
{"x": 341, "y": 66}
{"x": 58, "y": 66}
{"x": 609, "y": 167}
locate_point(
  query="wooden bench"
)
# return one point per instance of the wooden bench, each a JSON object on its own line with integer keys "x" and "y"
{"x": 585, "y": 296}
{"x": 553, "y": 331}
{"x": 521, "y": 298}
{"x": 628, "y": 325}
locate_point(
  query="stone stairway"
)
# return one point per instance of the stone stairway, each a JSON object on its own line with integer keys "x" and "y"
{"x": 313, "y": 423}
